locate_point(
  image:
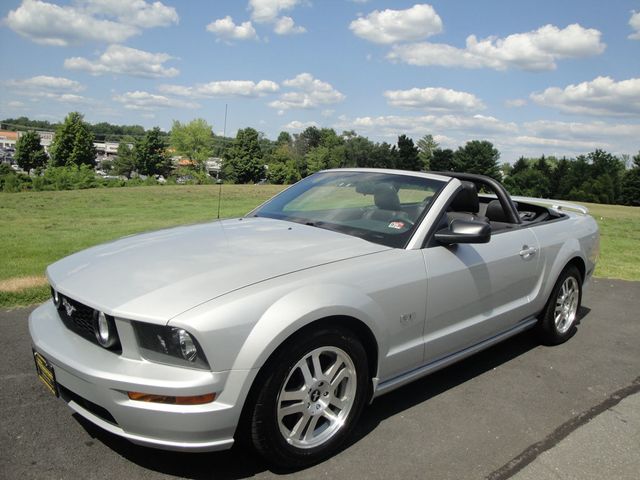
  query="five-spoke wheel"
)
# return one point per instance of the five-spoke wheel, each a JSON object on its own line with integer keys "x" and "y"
{"x": 558, "y": 322}
{"x": 313, "y": 391}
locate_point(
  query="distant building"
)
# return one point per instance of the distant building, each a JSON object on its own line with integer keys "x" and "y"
{"x": 106, "y": 148}
{"x": 8, "y": 139}
{"x": 214, "y": 166}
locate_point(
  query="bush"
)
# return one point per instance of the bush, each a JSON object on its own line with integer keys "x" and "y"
{"x": 12, "y": 181}
{"x": 67, "y": 178}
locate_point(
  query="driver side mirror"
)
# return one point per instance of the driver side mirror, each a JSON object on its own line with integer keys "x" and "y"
{"x": 465, "y": 231}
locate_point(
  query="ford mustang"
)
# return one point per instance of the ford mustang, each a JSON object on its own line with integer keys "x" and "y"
{"x": 280, "y": 327}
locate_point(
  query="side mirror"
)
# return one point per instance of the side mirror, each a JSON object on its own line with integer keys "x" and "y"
{"x": 465, "y": 231}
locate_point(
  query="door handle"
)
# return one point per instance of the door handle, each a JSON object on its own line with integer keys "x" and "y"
{"x": 528, "y": 252}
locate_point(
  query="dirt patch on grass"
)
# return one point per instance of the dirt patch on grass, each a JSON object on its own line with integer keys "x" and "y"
{"x": 18, "y": 284}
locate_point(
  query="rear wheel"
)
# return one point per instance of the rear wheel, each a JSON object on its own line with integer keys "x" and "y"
{"x": 558, "y": 323}
{"x": 313, "y": 393}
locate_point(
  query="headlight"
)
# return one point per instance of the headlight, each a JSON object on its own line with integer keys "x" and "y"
{"x": 105, "y": 330}
{"x": 56, "y": 297}
{"x": 171, "y": 345}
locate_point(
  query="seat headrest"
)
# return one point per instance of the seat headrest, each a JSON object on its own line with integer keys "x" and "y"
{"x": 466, "y": 200}
{"x": 495, "y": 212}
{"x": 385, "y": 197}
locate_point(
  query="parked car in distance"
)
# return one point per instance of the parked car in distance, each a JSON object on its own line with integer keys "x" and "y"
{"x": 280, "y": 327}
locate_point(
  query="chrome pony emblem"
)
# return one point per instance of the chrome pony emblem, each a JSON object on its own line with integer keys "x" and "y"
{"x": 68, "y": 307}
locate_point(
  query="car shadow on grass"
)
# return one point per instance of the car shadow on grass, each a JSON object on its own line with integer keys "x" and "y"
{"x": 241, "y": 462}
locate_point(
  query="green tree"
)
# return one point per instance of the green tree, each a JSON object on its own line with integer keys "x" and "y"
{"x": 150, "y": 154}
{"x": 243, "y": 162}
{"x": 29, "y": 153}
{"x": 282, "y": 167}
{"x": 73, "y": 143}
{"x": 193, "y": 140}
{"x": 309, "y": 138}
{"x": 630, "y": 188}
{"x": 521, "y": 165}
{"x": 284, "y": 138}
{"x": 357, "y": 150}
{"x": 478, "y": 157}
{"x": 560, "y": 183}
{"x": 330, "y": 139}
{"x": 604, "y": 164}
{"x": 543, "y": 167}
{"x": 408, "y": 158}
{"x": 442, "y": 160}
{"x": 383, "y": 155}
{"x": 125, "y": 162}
{"x": 531, "y": 183}
{"x": 426, "y": 145}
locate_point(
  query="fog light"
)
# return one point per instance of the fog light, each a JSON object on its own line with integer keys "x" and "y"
{"x": 190, "y": 400}
{"x": 105, "y": 330}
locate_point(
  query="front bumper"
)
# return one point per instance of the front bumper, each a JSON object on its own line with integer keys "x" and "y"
{"x": 92, "y": 376}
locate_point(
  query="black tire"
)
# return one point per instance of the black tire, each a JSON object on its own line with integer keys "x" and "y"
{"x": 554, "y": 332}
{"x": 284, "y": 370}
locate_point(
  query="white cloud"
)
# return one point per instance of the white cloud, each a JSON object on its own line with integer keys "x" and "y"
{"x": 310, "y": 93}
{"x": 135, "y": 12}
{"x": 436, "y": 99}
{"x": 58, "y": 89}
{"x": 582, "y": 131}
{"x": 121, "y": 60}
{"x": 392, "y": 125}
{"x": 141, "y": 100}
{"x": 573, "y": 138}
{"x": 15, "y": 104}
{"x": 45, "y": 83}
{"x": 286, "y": 26}
{"x": 515, "y": 103}
{"x": 634, "y": 21}
{"x": 511, "y": 139}
{"x": 392, "y": 26}
{"x": 535, "y": 51}
{"x": 601, "y": 96}
{"x": 224, "y": 88}
{"x": 266, "y": 11}
{"x": 225, "y": 28}
{"x": 85, "y": 21}
{"x": 298, "y": 125}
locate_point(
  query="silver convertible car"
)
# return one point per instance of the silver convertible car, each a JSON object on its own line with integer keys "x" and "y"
{"x": 279, "y": 327}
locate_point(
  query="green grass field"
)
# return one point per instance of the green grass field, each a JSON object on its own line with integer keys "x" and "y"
{"x": 37, "y": 228}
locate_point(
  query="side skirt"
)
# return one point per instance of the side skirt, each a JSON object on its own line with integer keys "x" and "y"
{"x": 402, "y": 379}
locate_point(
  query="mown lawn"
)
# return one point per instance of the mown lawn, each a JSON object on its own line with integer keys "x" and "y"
{"x": 619, "y": 241}
{"x": 37, "y": 228}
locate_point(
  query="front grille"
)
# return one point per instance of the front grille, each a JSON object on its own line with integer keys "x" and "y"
{"x": 78, "y": 318}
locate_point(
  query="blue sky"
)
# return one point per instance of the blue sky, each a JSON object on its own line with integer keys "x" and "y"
{"x": 552, "y": 77}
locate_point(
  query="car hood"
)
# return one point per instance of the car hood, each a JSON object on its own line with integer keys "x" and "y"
{"x": 156, "y": 276}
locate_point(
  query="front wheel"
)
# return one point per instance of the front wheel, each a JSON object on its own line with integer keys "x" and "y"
{"x": 558, "y": 323}
{"x": 313, "y": 393}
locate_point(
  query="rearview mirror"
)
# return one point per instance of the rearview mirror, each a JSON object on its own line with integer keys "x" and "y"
{"x": 465, "y": 231}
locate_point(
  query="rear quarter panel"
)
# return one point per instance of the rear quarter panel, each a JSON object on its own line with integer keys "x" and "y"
{"x": 562, "y": 240}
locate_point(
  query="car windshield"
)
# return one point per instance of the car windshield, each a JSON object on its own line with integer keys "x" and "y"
{"x": 379, "y": 207}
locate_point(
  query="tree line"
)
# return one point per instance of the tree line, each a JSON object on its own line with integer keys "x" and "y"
{"x": 250, "y": 157}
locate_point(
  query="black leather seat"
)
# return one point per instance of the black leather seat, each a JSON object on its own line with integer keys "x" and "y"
{"x": 497, "y": 216}
{"x": 387, "y": 204}
{"x": 495, "y": 212}
{"x": 465, "y": 204}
